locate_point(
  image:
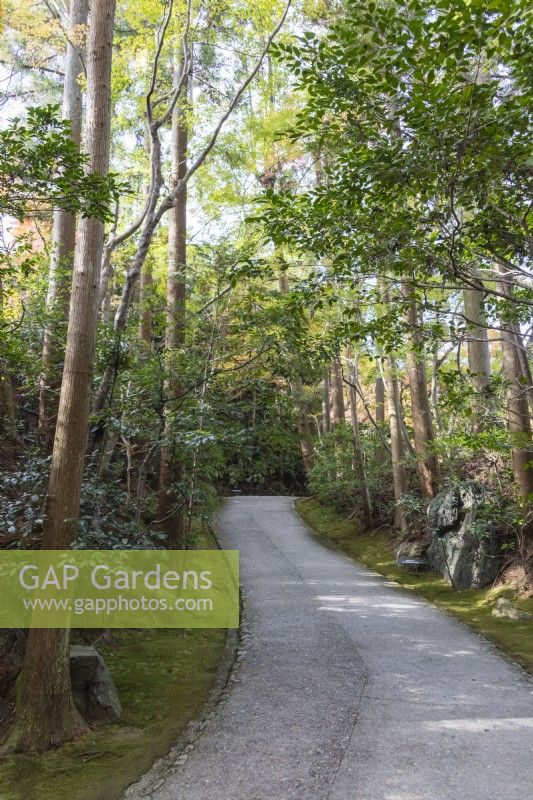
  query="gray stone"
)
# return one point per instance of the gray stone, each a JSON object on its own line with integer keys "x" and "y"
{"x": 94, "y": 692}
{"x": 415, "y": 548}
{"x": 464, "y": 549}
{"x": 504, "y": 608}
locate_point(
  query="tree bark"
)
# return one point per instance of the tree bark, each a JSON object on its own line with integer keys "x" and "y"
{"x": 337, "y": 393}
{"x": 296, "y": 385}
{"x": 399, "y": 475}
{"x": 170, "y": 502}
{"x": 46, "y": 715}
{"x": 518, "y": 421}
{"x": 326, "y": 408}
{"x": 8, "y": 419}
{"x": 478, "y": 351}
{"x": 63, "y": 238}
{"x": 145, "y": 310}
{"x": 358, "y": 459}
{"x": 427, "y": 466}
{"x": 380, "y": 400}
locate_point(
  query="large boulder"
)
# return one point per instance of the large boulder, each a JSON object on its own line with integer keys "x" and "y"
{"x": 464, "y": 547}
{"x": 94, "y": 692}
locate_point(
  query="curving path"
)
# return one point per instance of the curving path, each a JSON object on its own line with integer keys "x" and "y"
{"x": 352, "y": 689}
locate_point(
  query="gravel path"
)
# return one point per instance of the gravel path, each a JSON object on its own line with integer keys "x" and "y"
{"x": 351, "y": 689}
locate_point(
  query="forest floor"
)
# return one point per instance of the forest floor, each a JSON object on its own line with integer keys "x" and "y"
{"x": 471, "y": 606}
{"x": 163, "y": 678}
{"x": 349, "y": 686}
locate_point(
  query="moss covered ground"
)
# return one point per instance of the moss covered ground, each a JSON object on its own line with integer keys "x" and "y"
{"x": 163, "y": 677}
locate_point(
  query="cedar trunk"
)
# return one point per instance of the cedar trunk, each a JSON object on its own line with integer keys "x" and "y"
{"x": 399, "y": 476}
{"x": 478, "y": 351}
{"x": 358, "y": 459}
{"x": 45, "y": 713}
{"x": 518, "y": 378}
{"x": 296, "y": 384}
{"x": 428, "y": 472}
{"x": 63, "y": 239}
{"x": 337, "y": 393}
{"x": 171, "y": 505}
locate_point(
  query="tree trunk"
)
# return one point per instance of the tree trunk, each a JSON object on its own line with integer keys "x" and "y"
{"x": 145, "y": 320}
{"x": 382, "y": 454}
{"x": 478, "y": 351}
{"x": 304, "y": 429}
{"x": 63, "y": 239}
{"x": 399, "y": 475}
{"x": 380, "y": 400}
{"x": 337, "y": 393}
{"x": 46, "y": 715}
{"x": 358, "y": 460}
{"x": 427, "y": 465}
{"x": 8, "y": 419}
{"x": 518, "y": 420}
{"x": 326, "y": 408}
{"x": 170, "y": 502}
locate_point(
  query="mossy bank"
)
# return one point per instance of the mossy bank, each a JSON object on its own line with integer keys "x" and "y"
{"x": 163, "y": 678}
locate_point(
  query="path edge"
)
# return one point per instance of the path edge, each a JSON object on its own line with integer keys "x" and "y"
{"x": 226, "y": 675}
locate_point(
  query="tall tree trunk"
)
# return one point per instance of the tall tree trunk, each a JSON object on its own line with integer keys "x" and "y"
{"x": 63, "y": 238}
{"x": 171, "y": 505}
{"x": 427, "y": 465}
{"x": 8, "y": 419}
{"x": 518, "y": 420}
{"x": 519, "y": 424}
{"x": 145, "y": 279}
{"x": 296, "y": 385}
{"x": 478, "y": 351}
{"x": 358, "y": 459}
{"x": 337, "y": 393}
{"x": 380, "y": 400}
{"x": 326, "y": 408}
{"x": 399, "y": 475}
{"x": 304, "y": 429}
{"x": 145, "y": 320}
{"x": 382, "y": 454}
{"x": 46, "y": 715}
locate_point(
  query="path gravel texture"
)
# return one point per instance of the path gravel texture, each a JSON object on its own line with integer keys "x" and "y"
{"x": 350, "y": 688}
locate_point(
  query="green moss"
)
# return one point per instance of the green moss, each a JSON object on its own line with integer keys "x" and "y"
{"x": 163, "y": 677}
{"x": 473, "y": 607}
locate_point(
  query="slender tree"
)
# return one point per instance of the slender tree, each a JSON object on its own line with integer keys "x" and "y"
{"x": 337, "y": 393}
{"x": 46, "y": 715}
{"x": 478, "y": 351}
{"x": 170, "y": 502}
{"x": 358, "y": 459}
{"x": 297, "y": 394}
{"x": 427, "y": 465}
{"x": 63, "y": 234}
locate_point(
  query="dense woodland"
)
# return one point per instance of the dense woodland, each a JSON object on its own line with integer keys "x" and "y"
{"x": 263, "y": 248}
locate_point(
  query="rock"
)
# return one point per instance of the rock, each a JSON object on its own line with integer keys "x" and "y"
{"x": 94, "y": 692}
{"x": 464, "y": 548}
{"x": 411, "y": 554}
{"x": 504, "y": 608}
{"x": 415, "y": 548}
